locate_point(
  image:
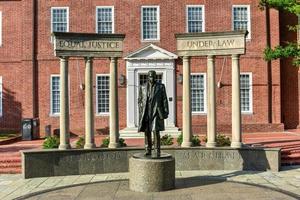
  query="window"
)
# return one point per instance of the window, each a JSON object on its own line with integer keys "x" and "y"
{"x": 105, "y": 19}
{"x": 59, "y": 19}
{"x": 1, "y": 97}
{"x": 246, "y": 92}
{"x": 195, "y": 19}
{"x": 55, "y": 95}
{"x": 198, "y": 93}
{"x": 241, "y": 18}
{"x": 150, "y": 23}
{"x": 102, "y": 94}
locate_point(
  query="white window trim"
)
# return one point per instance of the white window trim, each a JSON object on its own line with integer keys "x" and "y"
{"x": 100, "y": 113}
{"x": 205, "y": 91}
{"x": 250, "y": 112}
{"x": 1, "y": 101}
{"x": 0, "y": 28}
{"x": 52, "y": 8}
{"x": 249, "y": 19}
{"x": 112, "y": 15}
{"x": 187, "y": 18}
{"x": 51, "y": 108}
{"x": 158, "y": 24}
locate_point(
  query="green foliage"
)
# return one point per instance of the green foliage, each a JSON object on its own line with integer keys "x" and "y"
{"x": 291, "y": 6}
{"x": 221, "y": 140}
{"x": 195, "y": 140}
{"x": 80, "y": 143}
{"x": 179, "y": 139}
{"x": 105, "y": 142}
{"x": 51, "y": 142}
{"x": 122, "y": 142}
{"x": 290, "y": 50}
{"x": 166, "y": 140}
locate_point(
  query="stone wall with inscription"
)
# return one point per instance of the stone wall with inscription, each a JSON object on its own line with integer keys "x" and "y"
{"x": 98, "y": 161}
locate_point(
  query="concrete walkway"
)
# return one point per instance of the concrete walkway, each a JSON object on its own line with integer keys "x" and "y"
{"x": 189, "y": 185}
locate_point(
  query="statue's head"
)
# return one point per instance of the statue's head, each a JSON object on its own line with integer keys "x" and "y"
{"x": 151, "y": 76}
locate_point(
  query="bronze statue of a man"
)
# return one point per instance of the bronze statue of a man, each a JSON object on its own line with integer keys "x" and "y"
{"x": 153, "y": 109}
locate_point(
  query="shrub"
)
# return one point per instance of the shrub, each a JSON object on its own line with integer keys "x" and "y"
{"x": 195, "y": 140}
{"x": 51, "y": 142}
{"x": 80, "y": 143}
{"x": 105, "y": 142}
{"x": 221, "y": 140}
{"x": 166, "y": 140}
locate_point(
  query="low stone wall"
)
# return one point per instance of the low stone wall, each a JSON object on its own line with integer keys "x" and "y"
{"x": 97, "y": 161}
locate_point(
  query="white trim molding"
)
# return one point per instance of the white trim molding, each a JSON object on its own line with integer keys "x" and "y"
{"x": 151, "y": 52}
{"x": 112, "y": 17}
{"x": 52, "y": 114}
{"x": 100, "y": 113}
{"x": 248, "y": 18}
{"x": 250, "y": 94}
{"x": 187, "y": 16}
{"x": 158, "y": 24}
{"x": 204, "y": 112}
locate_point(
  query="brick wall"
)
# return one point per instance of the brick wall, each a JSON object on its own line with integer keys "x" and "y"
{"x": 127, "y": 21}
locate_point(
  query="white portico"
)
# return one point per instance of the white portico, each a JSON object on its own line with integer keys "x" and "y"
{"x": 138, "y": 63}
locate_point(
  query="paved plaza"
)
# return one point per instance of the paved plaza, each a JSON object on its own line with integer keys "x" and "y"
{"x": 189, "y": 185}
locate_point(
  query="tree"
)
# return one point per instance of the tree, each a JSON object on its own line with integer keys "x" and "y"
{"x": 289, "y": 49}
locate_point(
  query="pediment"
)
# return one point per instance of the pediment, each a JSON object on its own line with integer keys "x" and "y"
{"x": 151, "y": 52}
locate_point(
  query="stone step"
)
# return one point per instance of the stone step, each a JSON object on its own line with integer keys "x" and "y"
{"x": 10, "y": 160}
{"x": 10, "y": 165}
{"x": 10, "y": 170}
{"x": 290, "y": 162}
{"x": 291, "y": 156}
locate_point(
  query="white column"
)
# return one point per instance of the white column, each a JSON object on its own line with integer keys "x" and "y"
{"x": 211, "y": 102}
{"x": 89, "y": 108}
{"x": 186, "y": 104}
{"x": 236, "y": 104}
{"x": 64, "y": 105}
{"x": 113, "y": 105}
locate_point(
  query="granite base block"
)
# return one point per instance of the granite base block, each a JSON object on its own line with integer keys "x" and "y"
{"x": 43, "y": 163}
{"x": 151, "y": 175}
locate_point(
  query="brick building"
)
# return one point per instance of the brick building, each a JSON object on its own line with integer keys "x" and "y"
{"x": 29, "y": 72}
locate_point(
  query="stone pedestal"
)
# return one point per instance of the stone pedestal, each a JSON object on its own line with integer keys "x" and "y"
{"x": 151, "y": 174}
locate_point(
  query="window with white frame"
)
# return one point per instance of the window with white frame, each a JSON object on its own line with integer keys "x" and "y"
{"x": 150, "y": 22}
{"x": 241, "y": 18}
{"x": 55, "y": 95}
{"x": 246, "y": 92}
{"x": 105, "y": 19}
{"x": 1, "y": 97}
{"x": 102, "y": 94}
{"x": 195, "y": 18}
{"x": 198, "y": 93}
{"x": 59, "y": 19}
